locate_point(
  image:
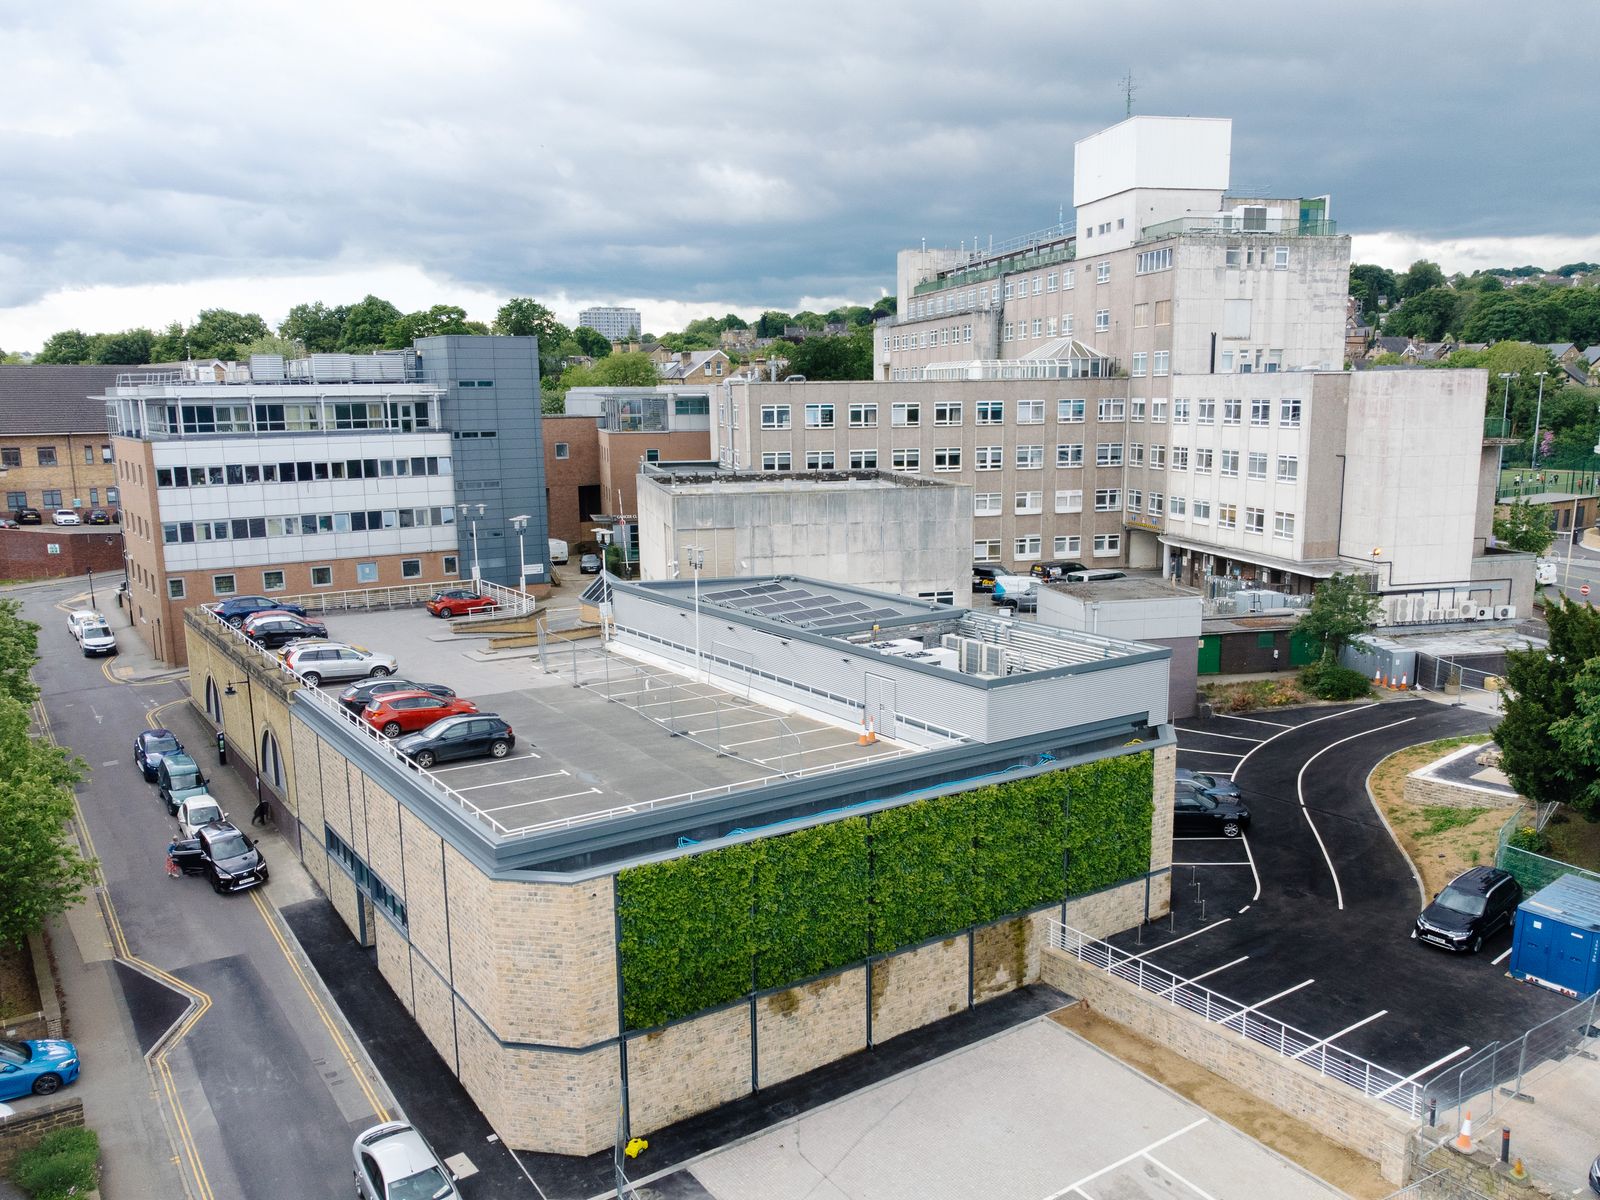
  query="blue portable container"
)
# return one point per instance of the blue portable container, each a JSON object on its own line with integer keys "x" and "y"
{"x": 1556, "y": 939}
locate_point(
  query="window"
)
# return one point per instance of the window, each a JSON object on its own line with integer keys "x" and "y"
{"x": 1280, "y": 258}
{"x": 1257, "y": 464}
{"x": 1107, "y": 545}
{"x": 1255, "y": 520}
{"x": 819, "y": 416}
{"x": 907, "y": 415}
{"x": 1156, "y": 505}
{"x": 1009, "y": 332}
{"x": 1180, "y": 458}
{"x": 1231, "y": 411}
{"x": 1227, "y": 516}
{"x": 175, "y": 589}
{"x": 1108, "y": 500}
{"x": 947, "y": 413}
{"x": 1141, "y": 363}
{"x": 907, "y": 459}
{"x": 1202, "y": 511}
{"x": 272, "y": 581}
{"x": 563, "y": 450}
{"x": 863, "y": 460}
{"x": 1108, "y": 454}
{"x": 1154, "y": 260}
{"x": 1141, "y": 316}
{"x": 1288, "y": 468}
{"x": 1029, "y": 547}
{"x": 1069, "y": 411}
{"x": 1283, "y": 526}
{"x": 651, "y": 455}
{"x": 1038, "y": 285}
{"x": 1038, "y": 327}
{"x": 1030, "y": 412}
{"x": 1159, "y": 362}
{"x": 819, "y": 460}
{"x": 1027, "y": 504}
{"x": 987, "y": 550}
{"x": 1180, "y": 411}
{"x": 1067, "y": 545}
{"x": 1102, "y": 320}
{"x": 1202, "y": 460}
{"x": 1066, "y": 325}
{"x": 1069, "y": 500}
{"x": 1260, "y": 412}
{"x": 1069, "y": 454}
{"x": 863, "y": 416}
{"x": 991, "y": 412}
{"x": 947, "y": 458}
{"x": 1102, "y": 272}
{"x": 113, "y": 495}
{"x": 1136, "y": 408}
{"x": 986, "y": 504}
{"x": 1227, "y": 362}
{"x": 1030, "y": 458}
{"x": 1112, "y": 408}
{"x": 775, "y": 416}
{"x": 1067, "y": 277}
{"x": 366, "y": 572}
{"x": 1205, "y": 412}
{"x": 1177, "y": 505}
{"x": 1010, "y": 289}
{"x": 1050, "y": 282}
{"x": 1230, "y": 464}
{"x": 47, "y": 456}
{"x": 16, "y": 499}
{"x": 51, "y": 498}
{"x": 222, "y": 585}
{"x": 1158, "y": 456}
{"x": 1135, "y": 500}
{"x": 410, "y": 568}
{"x": 321, "y": 576}
{"x": 11, "y": 456}
{"x": 1136, "y": 454}
{"x": 990, "y": 458}
{"x": 450, "y": 566}
{"x": 777, "y": 460}
{"x": 88, "y": 456}
{"x": 1289, "y": 412}
{"x": 1163, "y": 312}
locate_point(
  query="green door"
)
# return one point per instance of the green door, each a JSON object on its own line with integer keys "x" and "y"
{"x": 1302, "y": 649}
{"x": 1210, "y": 659}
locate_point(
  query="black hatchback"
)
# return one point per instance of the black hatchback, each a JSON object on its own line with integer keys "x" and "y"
{"x": 278, "y": 631}
{"x": 1473, "y": 906}
{"x": 236, "y": 608}
{"x": 357, "y": 696}
{"x": 470, "y": 736}
{"x": 1198, "y": 813}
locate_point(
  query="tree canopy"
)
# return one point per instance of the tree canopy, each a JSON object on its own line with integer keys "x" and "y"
{"x": 1341, "y": 611}
{"x": 1548, "y": 710}
{"x": 1525, "y": 527}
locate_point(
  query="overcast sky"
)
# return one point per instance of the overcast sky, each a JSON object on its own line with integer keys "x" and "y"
{"x": 167, "y": 155}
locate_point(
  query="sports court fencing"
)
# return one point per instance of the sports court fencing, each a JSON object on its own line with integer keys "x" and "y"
{"x": 1371, "y": 1080}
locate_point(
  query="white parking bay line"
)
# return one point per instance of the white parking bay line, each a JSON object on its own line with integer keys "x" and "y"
{"x": 1240, "y": 863}
{"x": 524, "y": 779}
{"x": 594, "y": 791}
{"x": 1246, "y": 840}
{"x": 1122, "y": 1162}
{"x": 1215, "y": 753}
{"x": 1256, "y": 721}
{"x": 1503, "y": 956}
{"x": 486, "y": 762}
{"x": 1184, "y": 938}
{"x": 1232, "y": 737}
{"x": 767, "y": 762}
{"x": 1161, "y": 1166}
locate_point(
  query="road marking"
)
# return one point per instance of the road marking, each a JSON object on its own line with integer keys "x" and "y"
{"x": 1255, "y": 721}
{"x": 1300, "y": 791}
{"x": 111, "y": 762}
{"x": 1203, "y": 975}
{"x": 1201, "y": 1192}
{"x": 486, "y": 763}
{"x": 594, "y": 791}
{"x": 524, "y": 779}
{"x": 1240, "y": 863}
{"x": 1245, "y": 838}
{"x": 1503, "y": 956}
{"x": 1185, "y": 937}
{"x": 1232, "y": 737}
{"x": 1332, "y": 1037}
{"x": 1216, "y": 753}
{"x": 1122, "y": 1162}
{"x": 808, "y": 750}
{"x": 1415, "y": 1075}
{"x": 737, "y": 725}
{"x": 792, "y": 733}
{"x": 1345, "y": 712}
{"x": 1249, "y": 1008}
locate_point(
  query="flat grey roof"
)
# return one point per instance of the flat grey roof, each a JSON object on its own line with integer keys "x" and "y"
{"x": 1132, "y": 587}
{"x": 822, "y": 607}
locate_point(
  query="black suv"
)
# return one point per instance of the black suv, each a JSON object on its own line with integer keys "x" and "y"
{"x": 357, "y": 696}
{"x": 1199, "y": 813}
{"x": 467, "y": 736}
{"x": 1473, "y": 905}
{"x": 236, "y": 608}
{"x": 28, "y": 516}
{"x": 276, "y": 632}
{"x": 225, "y": 854}
{"x": 1055, "y": 570}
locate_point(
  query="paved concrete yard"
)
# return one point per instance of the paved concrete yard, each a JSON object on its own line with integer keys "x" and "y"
{"x": 1555, "y": 1135}
{"x": 1032, "y": 1114}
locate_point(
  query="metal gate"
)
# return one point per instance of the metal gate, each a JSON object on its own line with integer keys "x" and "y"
{"x": 880, "y": 704}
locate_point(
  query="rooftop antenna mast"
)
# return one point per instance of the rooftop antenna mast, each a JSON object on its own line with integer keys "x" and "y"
{"x": 1128, "y": 91}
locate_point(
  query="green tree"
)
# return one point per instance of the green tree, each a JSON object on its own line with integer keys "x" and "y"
{"x": 1577, "y": 736}
{"x": 1341, "y": 611}
{"x": 315, "y": 325}
{"x": 626, "y": 370}
{"x": 1541, "y": 692}
{"x": 171, "y": 344}
{"x": 1422, "y": 277}
{"x": 19, "y": 650}
{"x": 1525, "y": 527}
{"x": 365, "y": 322}
{"x": 847, "y": 357}
{"x": 68, "y": 346}
{"x": 770, "y": 324}
{"x": 223, "y": 333}
{"x": 522, "y": 316}
{"x": 437, "y": 321}
{"x": 1427, "y": 316}
{"x": 273, "y": 344}
{"x": 41, "y": 872}
{"x": 130, "y": 346}
{"x": 591, "y": 342}
{"x": 1375, "y": 286}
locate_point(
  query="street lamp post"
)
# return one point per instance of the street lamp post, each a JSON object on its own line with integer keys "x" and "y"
{"x": 92, "y": 604}
{"x": 466, "y": 511}
{"x": 255, "y": 750}
{"x": 1538, "y": 413}
{"x": 1505, "y": 426}
{"x": 697, "y": 560}
{"x": 520, "y": 524}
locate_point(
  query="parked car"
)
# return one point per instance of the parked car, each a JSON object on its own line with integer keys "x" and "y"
{"x": 589, "y": 564}
{"x": 224, "y": 854}
{"x": 1197, "y": 814}
{"x": 357, "y": 696}
{"x": 27, "y": 516}
{"x": 1212, "y": 785}
{"x": 65, "y": 516}
{"x": 39, "y": 1067}
{"x": 97, "y": 639}
{"x": 394, "y": 1162}
{"x": 316, "y": 661}
{"x": 1055, "y": 570}
{"x": 558, "y": 552}
{"x": 984, "y": 575}
{"x": 177, "y": 778}
{"x": 408, "y": 712}
{"x": 1012, "y": 591}
{"x": 196, "y": 812}
{"x": 458, "y": 737}
{"x": 8, "y": 523}
{"x": 1093, "y": 576}
{"x": 150, "y": 747}
{"x": 273, "y": 630}
{"x": 1594, "y": 1176}
{"x": 79, "y": 617}
{"x": 1474, "y": 905}
{"x": 98, "y": 516}
{"x": 457, "y": 602}
{"x": 235, "y": 609}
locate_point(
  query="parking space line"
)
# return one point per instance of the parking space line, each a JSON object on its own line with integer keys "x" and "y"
{"x": 1240, "y": 863}
{"x": 1216, "y": 753}
{"x": 1345, "y": 712}
{"x": 524, "y": 779}
{"x": 795, "y": 733}
{"x": 1505, "y": 955}
{"x": 805, "y": 750}
{"x": 738, "y": 724}
{"x": 1151, "y": 1158}
{"x": 1186, "y": 937}
{"x": 1122, "y": 1162}
{"x": 1203, "y": 975}
{"x": 1256, "y": 721}
{"x": 594, "y": 791}
{"x": 1252, "y": 858}
{"x": 487, "y": 762}
{"x": 1250, "y": 1008}
{"x": 1416, "y": 1075}
{"x": 1232, "y": 737}
{"x": 1332, "y": 1037}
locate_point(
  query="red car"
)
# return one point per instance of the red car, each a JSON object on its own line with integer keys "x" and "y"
{"x": 457, "y": 602}
{"x": 395, "y": 713}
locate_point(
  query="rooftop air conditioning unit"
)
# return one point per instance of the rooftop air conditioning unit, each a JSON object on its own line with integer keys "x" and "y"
{"x": 1485, "y": 613}
{"x": 1469, "y": 611}
{"x": 1506, "y": 611}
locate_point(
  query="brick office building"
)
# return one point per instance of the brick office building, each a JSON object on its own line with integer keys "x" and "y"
{"x": 55, "y": 444}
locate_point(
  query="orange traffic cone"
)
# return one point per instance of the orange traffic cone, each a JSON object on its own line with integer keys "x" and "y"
{"x": 1463, "y": 1140}
{"x": 868, "y": 737}
{"x": 1402, "y": 683}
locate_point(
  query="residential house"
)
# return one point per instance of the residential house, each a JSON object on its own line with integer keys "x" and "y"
{"x": 55, "y": 440}
{"x": 696, "y": 367}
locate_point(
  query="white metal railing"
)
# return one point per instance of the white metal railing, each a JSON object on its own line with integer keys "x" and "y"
{"x": 1373, "y": 1081}
{"x": 508, "y": 601}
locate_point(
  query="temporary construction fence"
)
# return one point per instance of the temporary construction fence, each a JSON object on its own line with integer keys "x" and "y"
{"x": 1375, "y": 1082}
{"x": 1533, "y": 870}
{"x": 1438, "y": 1185}
{"x": 1503, "y": 1069}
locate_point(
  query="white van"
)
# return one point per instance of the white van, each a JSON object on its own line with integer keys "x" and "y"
{"x": 1016, "y": 591}
{"x": 1544, "y": 572}
{"x": 97, "y": 639}
{"x": 558, "y": 552}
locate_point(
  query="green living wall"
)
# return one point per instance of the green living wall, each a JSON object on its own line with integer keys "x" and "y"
{"x": 707, "y": 929}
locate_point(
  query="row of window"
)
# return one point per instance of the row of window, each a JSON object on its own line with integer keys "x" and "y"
{"x": 321, "y": 577}
{"x": 301, "y": 472}
{"x": 308, "y": 416}
{"x": 1158, "y": 363}
{"x": 1133, "y": 500}
{"x": 382, "y": 896}
{"x": 1226, "y": 463}
{"x": 11, "y": 456}
{"x": 1068, "y": 456}
{"x": 1031, "y": 546}
{"x": 951, "y": 336}
{"x": 51, "y": 498}
{"x": 304, "y": 524}
{"x": 1205, "y": 411}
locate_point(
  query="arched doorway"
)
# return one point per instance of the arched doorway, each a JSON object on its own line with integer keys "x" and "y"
{"x": 213, "y": 700}
{"x": 271, "y": 762}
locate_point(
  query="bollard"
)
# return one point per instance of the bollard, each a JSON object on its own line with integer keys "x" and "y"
{"x": 222, "y": 747}
{"x": 1433, "y": 1112}
{"x": 1505, "y": 1143}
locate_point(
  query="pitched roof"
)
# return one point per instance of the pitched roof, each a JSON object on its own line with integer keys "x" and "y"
{"x": 1390, "y": 345}
{"x": 1592, "y": 354}
{"x": 678, "y": 369}
{"x": 55, "y": 399}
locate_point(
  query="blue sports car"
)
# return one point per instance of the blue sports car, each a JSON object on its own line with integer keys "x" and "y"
{"x": 37, "y": 1067}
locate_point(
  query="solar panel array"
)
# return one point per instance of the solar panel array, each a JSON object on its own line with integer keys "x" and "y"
{"x": 798, "y": 606}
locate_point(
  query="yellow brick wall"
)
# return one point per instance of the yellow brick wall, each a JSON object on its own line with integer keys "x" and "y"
{"x": 801, "y": 1028}
{"x": 917, "y": 986}
{"x": 688, "y": 1068}
{"x": 434, "y": 1008}
{"x": 423, "y": 888}
{"x": 554, "y": 961}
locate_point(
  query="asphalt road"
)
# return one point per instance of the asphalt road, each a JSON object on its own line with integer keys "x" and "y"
{"x": 260, "y": 1086}
{"x": 1319, "y": 929}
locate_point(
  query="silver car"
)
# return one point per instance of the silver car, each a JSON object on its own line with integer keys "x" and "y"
{"x": 394, "y": 1162}
{"x": 316, "y": 661}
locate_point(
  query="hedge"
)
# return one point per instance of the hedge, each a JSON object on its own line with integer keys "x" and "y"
{"x": 705, "y": 929}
